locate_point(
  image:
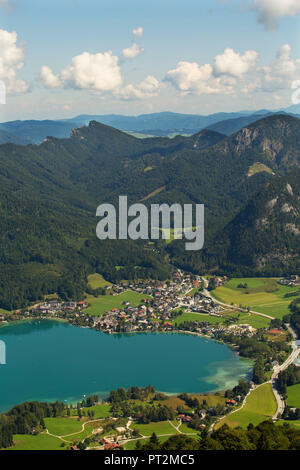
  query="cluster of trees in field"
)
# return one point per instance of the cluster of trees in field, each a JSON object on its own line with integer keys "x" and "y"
{"x": 133, "y": 393}
{"x": 123, "y": 403}
{"x": 263, "y": 437}
{"x": 287, "y": 377}
{"x": 241, "y": 389}
{"x": 294, "y": 318}
{"x": 258, "y": 348}
{"x": 27, "y": 418}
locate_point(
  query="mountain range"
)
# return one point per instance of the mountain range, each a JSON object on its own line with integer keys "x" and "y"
{"x": 164, "y": 124}
{"x": 49, "y": 194}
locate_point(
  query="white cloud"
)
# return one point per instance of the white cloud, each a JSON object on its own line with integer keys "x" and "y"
{"x": 277, "y": 76}
{"x": 234, "y": 64}
{"x": 11, "y": 62}
{"x": 49, "y": 79}
{"x": 99, "y": 72}
{"x": 190, "y": 77}
{"x": 132, "y": 51}
{"x": 221, "y": 78}
{"x": 270, "y": 11}
{"x": 148, "y": 88}
{"x": 138, "y": 32}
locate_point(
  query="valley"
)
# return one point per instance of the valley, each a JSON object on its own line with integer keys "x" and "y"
{"x": 240, "y": 292}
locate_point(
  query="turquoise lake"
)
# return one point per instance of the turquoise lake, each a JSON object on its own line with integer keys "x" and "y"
{"x": 49, "y": 360}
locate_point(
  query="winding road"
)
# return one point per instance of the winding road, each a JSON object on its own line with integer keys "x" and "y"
{"x": 290, "y": 360}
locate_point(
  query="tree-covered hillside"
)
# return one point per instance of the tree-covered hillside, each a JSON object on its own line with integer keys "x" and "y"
{"x": 49, "y": 194}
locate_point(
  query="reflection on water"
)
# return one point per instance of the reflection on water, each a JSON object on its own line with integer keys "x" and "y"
{"x": 26, "y": 327}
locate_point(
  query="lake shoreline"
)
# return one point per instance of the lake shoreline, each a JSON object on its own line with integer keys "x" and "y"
{"x": 199, "y": 378}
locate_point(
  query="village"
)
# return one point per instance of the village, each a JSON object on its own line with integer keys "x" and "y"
{"x": 163, "y": 302}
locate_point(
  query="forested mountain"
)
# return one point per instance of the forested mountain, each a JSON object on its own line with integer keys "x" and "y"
{"x": 49, "y": 194}
{"x": 163, "y": 124}
{"x": 264, "y": 237}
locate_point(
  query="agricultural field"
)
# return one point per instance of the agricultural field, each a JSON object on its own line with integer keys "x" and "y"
{"x": 188, "y": 317}
{"x": 101, "y": 411}
{"x": 293, "y": 393}
{"x": 263, "y": 295}
{"x": 162, "y": 427}
{"x": 103, "y": 303}
{"x": 260, "y": 405}
{"x": 212, "y": 399}
{"x": 186, "y": 430}
{"x": 240, "y": 318}
{"x": 40, "y": 442}
{"x": 62, "y": 426}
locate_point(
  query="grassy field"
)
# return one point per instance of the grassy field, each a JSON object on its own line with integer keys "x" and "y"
{"x": 186, "y": 316}
{"x": 258, "y": 168}
{"x": 186, "y": 430}
{"x": 263, "y": 295}
{"x": 39, "y": 442}
{"x": 260, "y": 405}
{"x": 96, "y": 280}
{"x": 293, "y": 424}
{"x": 101, "y": 411}
{"x": 163, "y": 427}
{"x": 62, "y": 426}
{"x": 293, "y": 393}
{"x": 103, "y": 303}
{"x": 241, "y": 318}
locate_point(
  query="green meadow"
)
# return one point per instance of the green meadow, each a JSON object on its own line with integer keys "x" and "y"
{"x": 100, "y": 411}
{"x": 62, "y": 426}
{"x": 40, "y": 442}
{"x": 293, "y": 424}
{"x": 260, "y": 405}
{"x": 263, "y": 295}
{"x": 240, "y": 318}
{"x": 162, "y": 427}
{"x": 96, "y": 280}
{"x": 103, "y": 303}
{"x": 293, "y": 393}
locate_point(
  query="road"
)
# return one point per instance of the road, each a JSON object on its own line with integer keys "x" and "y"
{"x": 208, "y": 294}
{"x": 279, "y": 399}
{"x": 290, "y": 360}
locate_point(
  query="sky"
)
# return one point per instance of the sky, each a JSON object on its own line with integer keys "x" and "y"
{"x": 62, "y": 58}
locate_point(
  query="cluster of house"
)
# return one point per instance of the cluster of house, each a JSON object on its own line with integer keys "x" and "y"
{"x": 241, "y": 330}
{"x": 219, "y": 281}
{"x": 53, "y": 307}
{"x": 107, "y": 445}
{"x": 291, "y": 281}
{"x": 157, "y": 312}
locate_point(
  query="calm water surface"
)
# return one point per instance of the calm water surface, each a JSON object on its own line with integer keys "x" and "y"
{"x": 49, "y": 360}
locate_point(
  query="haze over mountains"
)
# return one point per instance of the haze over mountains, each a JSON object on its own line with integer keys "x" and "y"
{"x": 156, "y": 124}
{"x": 49, "y": 194}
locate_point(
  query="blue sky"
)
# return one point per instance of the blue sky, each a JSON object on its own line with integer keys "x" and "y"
{"x": 191, "y": 56}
